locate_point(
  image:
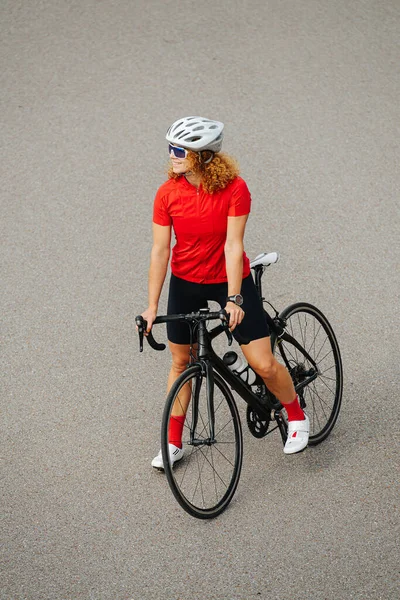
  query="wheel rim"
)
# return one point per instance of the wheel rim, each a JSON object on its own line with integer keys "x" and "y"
{"x": 205, "y": 479}
{"x": 321, "y": 398}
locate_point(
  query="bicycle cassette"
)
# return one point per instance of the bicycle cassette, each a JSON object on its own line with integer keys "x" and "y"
{"x": 258, "y": 426}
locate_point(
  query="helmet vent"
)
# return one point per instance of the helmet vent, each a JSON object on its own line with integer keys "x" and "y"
{"x": 178, "y": 125}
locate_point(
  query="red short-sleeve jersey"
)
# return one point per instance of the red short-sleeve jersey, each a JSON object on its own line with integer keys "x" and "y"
{"x": 200, "y": 222}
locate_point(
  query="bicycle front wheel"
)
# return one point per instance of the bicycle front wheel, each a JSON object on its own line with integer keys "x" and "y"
{"x": 322, "y": 397}
{"x": 205, "y": 479}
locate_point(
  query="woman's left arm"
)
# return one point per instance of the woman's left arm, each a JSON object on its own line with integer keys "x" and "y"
{"x": 234, "y": 265}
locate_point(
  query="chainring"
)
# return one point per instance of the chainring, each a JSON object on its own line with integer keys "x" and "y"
{"x": 258, "y": 426}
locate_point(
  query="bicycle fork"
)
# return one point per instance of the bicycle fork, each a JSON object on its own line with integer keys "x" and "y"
{"x": 209, "y": 378}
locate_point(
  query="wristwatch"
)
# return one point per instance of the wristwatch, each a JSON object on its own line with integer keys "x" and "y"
{"x": 236, "y": 299}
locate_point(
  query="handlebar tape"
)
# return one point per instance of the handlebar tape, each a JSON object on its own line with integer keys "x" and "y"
{"x": 155, "y": 345}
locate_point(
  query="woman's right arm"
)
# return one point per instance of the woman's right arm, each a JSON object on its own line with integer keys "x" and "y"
{"x": 158, "y": 269}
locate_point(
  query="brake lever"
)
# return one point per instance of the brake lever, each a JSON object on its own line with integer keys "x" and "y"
{"x": 141, "y": 325}
{"x": 225, "y": 321}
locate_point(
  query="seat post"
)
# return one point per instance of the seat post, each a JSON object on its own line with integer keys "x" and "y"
{"x": 258, "y": 271}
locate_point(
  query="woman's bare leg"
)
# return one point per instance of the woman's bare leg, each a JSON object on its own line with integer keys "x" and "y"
{"x": 180, "y": 360}
{"x": 276, "y": 377}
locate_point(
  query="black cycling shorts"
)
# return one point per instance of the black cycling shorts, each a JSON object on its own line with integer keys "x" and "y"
{"x": 186, "y": 297}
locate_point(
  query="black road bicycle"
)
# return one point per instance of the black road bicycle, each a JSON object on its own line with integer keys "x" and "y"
{"x": 205, "y": 479}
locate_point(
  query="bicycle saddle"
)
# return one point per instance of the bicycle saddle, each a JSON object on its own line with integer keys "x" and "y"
{"x": 265, "y": 259}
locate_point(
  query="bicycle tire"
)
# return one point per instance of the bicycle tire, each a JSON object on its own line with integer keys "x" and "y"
{"x": 205, "y": 479}
{"x": 321, "y": 398}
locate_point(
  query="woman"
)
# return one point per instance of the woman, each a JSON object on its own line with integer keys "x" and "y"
{"x": 207, "y": 204}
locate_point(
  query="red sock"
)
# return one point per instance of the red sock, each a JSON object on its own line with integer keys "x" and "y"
{"x": 175, "y": 430}
{"x": 294, "y": 410}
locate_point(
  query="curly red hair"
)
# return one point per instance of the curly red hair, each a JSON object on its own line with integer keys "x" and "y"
{"x": 215, "y": 175}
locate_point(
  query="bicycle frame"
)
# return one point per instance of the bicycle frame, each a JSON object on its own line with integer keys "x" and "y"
{"x": 209, "y": 360}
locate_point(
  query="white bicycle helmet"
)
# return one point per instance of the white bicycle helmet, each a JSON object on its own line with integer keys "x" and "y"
{"x": 196, "y": 133}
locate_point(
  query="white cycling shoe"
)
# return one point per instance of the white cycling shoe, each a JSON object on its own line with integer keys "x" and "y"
{"x": 175, "y": 454}
{"x": 298, "y": 434}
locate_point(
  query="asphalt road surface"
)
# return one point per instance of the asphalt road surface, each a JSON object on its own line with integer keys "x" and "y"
{"x": 309, "y": 93}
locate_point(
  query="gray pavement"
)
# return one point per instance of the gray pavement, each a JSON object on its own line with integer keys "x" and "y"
{"x": 309, "y": 91}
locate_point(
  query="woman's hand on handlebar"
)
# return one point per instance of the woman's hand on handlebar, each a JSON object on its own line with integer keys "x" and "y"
{"x": 149, "y": 315}
{"x": 236, "y": 315}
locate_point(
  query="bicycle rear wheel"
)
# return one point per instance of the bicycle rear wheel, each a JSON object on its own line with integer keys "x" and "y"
{"x": 322, "y": 397}
{"x": 205, "y": 479}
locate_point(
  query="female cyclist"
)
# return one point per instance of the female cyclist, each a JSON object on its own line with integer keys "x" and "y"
{"x": 207, "y": 204}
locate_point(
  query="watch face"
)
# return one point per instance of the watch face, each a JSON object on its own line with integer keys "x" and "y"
{"x": 239, "y": 299}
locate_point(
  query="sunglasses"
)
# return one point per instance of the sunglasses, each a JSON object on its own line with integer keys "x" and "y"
{"x": 177, "y": 151}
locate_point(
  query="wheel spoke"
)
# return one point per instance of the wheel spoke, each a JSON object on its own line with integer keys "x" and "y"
{"x": 322, "y": 380}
